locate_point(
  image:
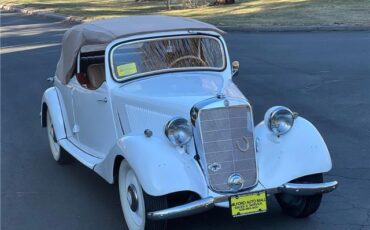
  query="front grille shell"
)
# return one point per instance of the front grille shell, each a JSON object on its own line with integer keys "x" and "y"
{"x": 221, "y": 125}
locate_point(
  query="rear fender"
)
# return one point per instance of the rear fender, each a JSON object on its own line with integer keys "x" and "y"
{"x": 300, "y": 152}
{"x": 50, "y": 102}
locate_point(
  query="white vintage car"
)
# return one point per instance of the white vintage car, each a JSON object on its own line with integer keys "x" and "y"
{"x": 148, "y": 102}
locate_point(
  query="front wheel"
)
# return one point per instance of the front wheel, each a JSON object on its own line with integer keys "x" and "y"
{"x": 136, "y": 204}
{"x": 301, "y": 206}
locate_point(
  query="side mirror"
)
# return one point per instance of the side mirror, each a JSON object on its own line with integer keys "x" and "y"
{"x": 235, "y": 68}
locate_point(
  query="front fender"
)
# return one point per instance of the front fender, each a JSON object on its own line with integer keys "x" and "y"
{"x": 50, "y": 102}
{"x": 160, "y": 168}
{"x": 300, "y": 152}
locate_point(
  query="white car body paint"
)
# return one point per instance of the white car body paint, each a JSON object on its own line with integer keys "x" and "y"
{"x": 51, "y": 100}
{"x": 148, "y": 103}
{"x": 302, "y": 151}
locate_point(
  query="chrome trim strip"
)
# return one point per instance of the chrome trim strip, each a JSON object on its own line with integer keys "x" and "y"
{"x": 207, "y": 203}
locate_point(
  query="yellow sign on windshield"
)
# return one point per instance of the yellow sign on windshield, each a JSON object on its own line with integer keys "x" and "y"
{"x": 126, "y": 69}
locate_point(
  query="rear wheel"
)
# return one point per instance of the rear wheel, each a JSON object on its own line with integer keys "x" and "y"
{"x": 136, "y": 203}
{"x": 59, "y": 154}
{"x": 301, "y": 206}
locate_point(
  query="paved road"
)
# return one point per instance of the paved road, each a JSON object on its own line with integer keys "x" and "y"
{"x": 323, "y": 76}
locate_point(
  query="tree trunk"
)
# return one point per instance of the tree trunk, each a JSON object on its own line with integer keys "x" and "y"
{"x": 224, "y": 2}
{"x": 168, "y": 4}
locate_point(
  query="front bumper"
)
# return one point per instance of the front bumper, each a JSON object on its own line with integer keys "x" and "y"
{"x": 207, "y": 203}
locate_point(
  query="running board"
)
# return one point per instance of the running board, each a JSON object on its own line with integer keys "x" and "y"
{"x": 83, "y": 157}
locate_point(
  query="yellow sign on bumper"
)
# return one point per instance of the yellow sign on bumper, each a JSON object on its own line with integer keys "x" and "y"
{"x": 248, "y": 204}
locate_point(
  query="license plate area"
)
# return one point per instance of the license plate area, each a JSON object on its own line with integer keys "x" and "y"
{"x": 248, "y": 204}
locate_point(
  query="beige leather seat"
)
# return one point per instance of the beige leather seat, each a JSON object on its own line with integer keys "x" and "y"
{"x": 95, "y": 75}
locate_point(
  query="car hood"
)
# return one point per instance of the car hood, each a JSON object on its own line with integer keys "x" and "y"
{"x": 162, "y": 97}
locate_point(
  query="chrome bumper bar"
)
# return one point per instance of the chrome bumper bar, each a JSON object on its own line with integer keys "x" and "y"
{"x": 207, "y": 203}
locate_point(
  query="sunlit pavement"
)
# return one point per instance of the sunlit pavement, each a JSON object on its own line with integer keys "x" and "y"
{"x": 325, "y": 77}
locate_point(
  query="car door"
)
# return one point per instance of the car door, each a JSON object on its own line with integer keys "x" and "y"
{"x": 94, "y": 123}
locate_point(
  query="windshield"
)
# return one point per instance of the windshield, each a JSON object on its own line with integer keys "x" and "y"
{"x": 167, "y": 54}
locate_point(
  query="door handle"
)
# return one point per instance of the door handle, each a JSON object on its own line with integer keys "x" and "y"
{"x": 105, "y": 100}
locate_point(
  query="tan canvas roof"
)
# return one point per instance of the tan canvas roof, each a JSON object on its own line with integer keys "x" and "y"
{"x": 107, "y": 30}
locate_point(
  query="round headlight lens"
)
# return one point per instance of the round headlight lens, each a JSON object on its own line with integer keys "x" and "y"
{"x": 279, "y": 119}
{"x": 179, "y": 131}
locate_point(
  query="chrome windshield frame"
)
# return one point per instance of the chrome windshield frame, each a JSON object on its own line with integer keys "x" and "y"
{"x": 136, "y": 76}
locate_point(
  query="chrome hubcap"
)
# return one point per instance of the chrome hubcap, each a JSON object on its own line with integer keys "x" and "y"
{"x": 132, "y": 198}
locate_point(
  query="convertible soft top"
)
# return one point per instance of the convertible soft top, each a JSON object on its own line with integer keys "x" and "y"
{"x": 106, "y": 30}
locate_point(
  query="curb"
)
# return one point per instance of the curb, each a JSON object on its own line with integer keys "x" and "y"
{"x": 77, "y": 20}
{"x": 40, "y": 13}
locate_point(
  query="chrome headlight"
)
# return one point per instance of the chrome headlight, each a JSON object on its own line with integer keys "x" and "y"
{"x": 279, "y": 119}
{"x": 178, "y": 131}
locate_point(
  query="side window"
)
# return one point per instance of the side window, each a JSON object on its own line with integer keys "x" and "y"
{"x": 92, "y": 70}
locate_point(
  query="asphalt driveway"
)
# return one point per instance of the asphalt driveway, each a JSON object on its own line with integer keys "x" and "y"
{"x": 325, "y": 76}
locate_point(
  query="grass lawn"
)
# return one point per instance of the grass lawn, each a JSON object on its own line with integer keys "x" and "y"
{"x": 243, "y": 13}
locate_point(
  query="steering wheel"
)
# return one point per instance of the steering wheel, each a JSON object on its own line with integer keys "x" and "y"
{"x": 203, "y": 63}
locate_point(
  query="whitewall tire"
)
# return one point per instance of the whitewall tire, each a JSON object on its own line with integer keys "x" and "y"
{"x": 136, "y": 203}
{"x": 59, "y": 154}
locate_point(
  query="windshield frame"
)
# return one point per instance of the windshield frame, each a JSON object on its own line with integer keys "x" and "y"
{"x": 171, "y": 70}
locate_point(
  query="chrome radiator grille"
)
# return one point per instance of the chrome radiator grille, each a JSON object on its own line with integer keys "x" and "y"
{"x": 228, "y": 147}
